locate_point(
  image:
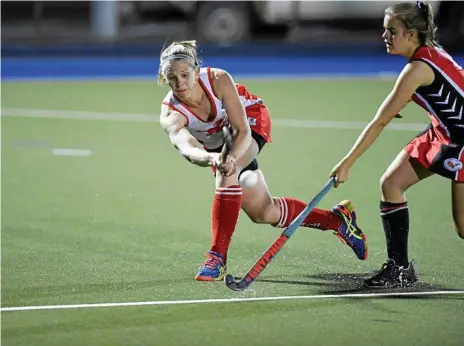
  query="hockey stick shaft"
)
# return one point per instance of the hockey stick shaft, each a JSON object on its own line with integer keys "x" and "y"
{"x": 278, "y": 244}
{"x": 227, "y": 144}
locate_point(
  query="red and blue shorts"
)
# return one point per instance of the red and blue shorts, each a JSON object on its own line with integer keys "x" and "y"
{"x": 445, "y": 159}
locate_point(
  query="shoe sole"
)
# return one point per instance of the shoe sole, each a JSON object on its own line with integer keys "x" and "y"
{"x": 209, "y": 278}
{"x": 206, "y": 278}
{"x": 390, "y": 286}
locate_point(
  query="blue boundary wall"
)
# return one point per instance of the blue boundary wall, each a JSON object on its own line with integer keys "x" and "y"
{"x": 141, "y": 61}
{"x": 62, "y": 68}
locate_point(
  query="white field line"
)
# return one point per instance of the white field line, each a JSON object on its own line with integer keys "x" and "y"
{"x": 397, "y": 124}
{"x": 71, "y": 152}
{"x": 234, "y": 300}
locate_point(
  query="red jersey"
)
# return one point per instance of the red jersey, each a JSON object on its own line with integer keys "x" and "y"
{"x": 444, "y": 98}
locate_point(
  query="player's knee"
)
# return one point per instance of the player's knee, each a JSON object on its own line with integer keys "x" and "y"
{"x": 386, "y": 184}
{"x": 256, "y": 212}
{"x": 390, "y": 186}
{"x": 264, "y": 214}
{"x": 258, "y": 217}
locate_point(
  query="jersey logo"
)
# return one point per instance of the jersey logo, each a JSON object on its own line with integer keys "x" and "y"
{"x": 453, "y": 164}
{"x": 252, "y": 121}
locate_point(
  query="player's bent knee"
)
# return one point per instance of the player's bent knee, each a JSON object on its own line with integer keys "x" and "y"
{"x": 265, "y": 214}
{"x": 391, "y": 186}
{"x": 258, "y": 217}
{"x": 387, "y": 184}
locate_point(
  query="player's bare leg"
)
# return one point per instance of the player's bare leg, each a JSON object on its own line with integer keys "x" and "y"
{"x": 262, "y": 208}
{"x": 457, "y": 197}
{"x": 403, "y": 173}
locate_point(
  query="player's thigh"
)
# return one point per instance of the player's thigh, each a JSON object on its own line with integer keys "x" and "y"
{"x": 457, "y": 198}
{"x": 257, "y": 201}
{"x": 250, "y": 154}
{"x": 403, "y": 172}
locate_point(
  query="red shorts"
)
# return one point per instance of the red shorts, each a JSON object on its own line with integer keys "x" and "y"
{"x": 259, "y": 120}
{"x": 445, "y": 159}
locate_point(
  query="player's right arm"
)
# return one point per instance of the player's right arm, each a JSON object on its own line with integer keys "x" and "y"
{"x": 175, "y": 124}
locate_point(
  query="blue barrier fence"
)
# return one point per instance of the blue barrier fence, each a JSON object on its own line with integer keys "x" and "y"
{"x": 18, "y": 50}
{"x": 265, "y": 60}
{"x": 62, "y": 68}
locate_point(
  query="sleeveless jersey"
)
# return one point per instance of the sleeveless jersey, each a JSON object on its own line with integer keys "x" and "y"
{"x": 444, "y": 98}
{"x": 209, "y": 133}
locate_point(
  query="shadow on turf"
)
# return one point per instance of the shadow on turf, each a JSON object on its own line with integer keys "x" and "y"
{"x": 345, "y": 283}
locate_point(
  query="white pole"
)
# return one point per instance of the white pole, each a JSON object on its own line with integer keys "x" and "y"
{"x": 105, "y": 18}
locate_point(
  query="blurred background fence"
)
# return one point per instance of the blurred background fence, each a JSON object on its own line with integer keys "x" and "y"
{"x": 273, "y": 36}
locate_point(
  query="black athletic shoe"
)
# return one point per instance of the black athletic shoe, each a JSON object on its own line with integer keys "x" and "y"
{"x": 391, "y": 276}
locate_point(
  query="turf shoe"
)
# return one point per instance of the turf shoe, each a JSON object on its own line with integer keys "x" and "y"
{"x": 392, "y": 276}
{"x": 349, "y": 232}
{"x": 213, "y": 269}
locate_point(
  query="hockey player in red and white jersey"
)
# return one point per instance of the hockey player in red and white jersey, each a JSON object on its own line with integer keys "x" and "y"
{"x": 435, "y": 82}
{"x": 200, "y": 102}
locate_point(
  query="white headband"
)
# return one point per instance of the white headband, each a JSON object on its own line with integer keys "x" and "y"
{"x": 164, "y": 61}
{"x": 178, "y": 57}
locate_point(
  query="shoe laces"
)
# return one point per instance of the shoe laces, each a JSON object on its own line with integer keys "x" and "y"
{"x": 387, "y": 267}
{"x": 212, "y": 262}
{"x": 347, "y": 235}
{"x": 349, "y": 231}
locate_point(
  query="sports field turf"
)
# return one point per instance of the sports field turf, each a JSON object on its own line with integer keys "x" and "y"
{"x": 130, "y": 223}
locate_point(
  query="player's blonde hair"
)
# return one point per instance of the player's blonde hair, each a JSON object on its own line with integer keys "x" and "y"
{"x": 416, "y": 16}
{"x": 179, "y": 50}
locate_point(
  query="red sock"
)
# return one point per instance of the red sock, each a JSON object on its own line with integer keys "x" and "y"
{"x": 318, "y": 218}
{"x": 226, "y": 208}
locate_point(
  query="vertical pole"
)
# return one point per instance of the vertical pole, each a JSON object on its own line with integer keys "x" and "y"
{"x": 105, "y": 18}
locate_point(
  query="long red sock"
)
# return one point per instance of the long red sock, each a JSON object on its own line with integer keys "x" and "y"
{"x": 226, "y": 208}
{"x": 318, "y": 218}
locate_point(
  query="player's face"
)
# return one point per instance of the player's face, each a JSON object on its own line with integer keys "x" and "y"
{"x": 397, "y": 39}
{"x": 181, "y": 78}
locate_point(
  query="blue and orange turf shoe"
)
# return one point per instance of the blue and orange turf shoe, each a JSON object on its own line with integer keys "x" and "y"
{"x": 213, "y": 269}
{"x": 349, "y": 232}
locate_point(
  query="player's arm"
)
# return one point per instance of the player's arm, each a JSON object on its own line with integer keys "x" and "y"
{"x": 414, "y": 75}
{"x": 225, "y": 89}
{"x": 175, "y": 126}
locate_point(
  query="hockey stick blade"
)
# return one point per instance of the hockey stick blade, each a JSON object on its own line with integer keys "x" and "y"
{"x": 271, "y": 252}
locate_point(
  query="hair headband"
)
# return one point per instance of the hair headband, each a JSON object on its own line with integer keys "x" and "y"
{"x": 178, "y": 57}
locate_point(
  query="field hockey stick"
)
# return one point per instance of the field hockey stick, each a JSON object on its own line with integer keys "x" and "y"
{"x": 227, "y": 144}
{"x": 272, "y": 251}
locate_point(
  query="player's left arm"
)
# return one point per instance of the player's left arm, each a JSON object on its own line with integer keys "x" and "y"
{"x": 225, "y": 89}
{"x": 414, "y": 75}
